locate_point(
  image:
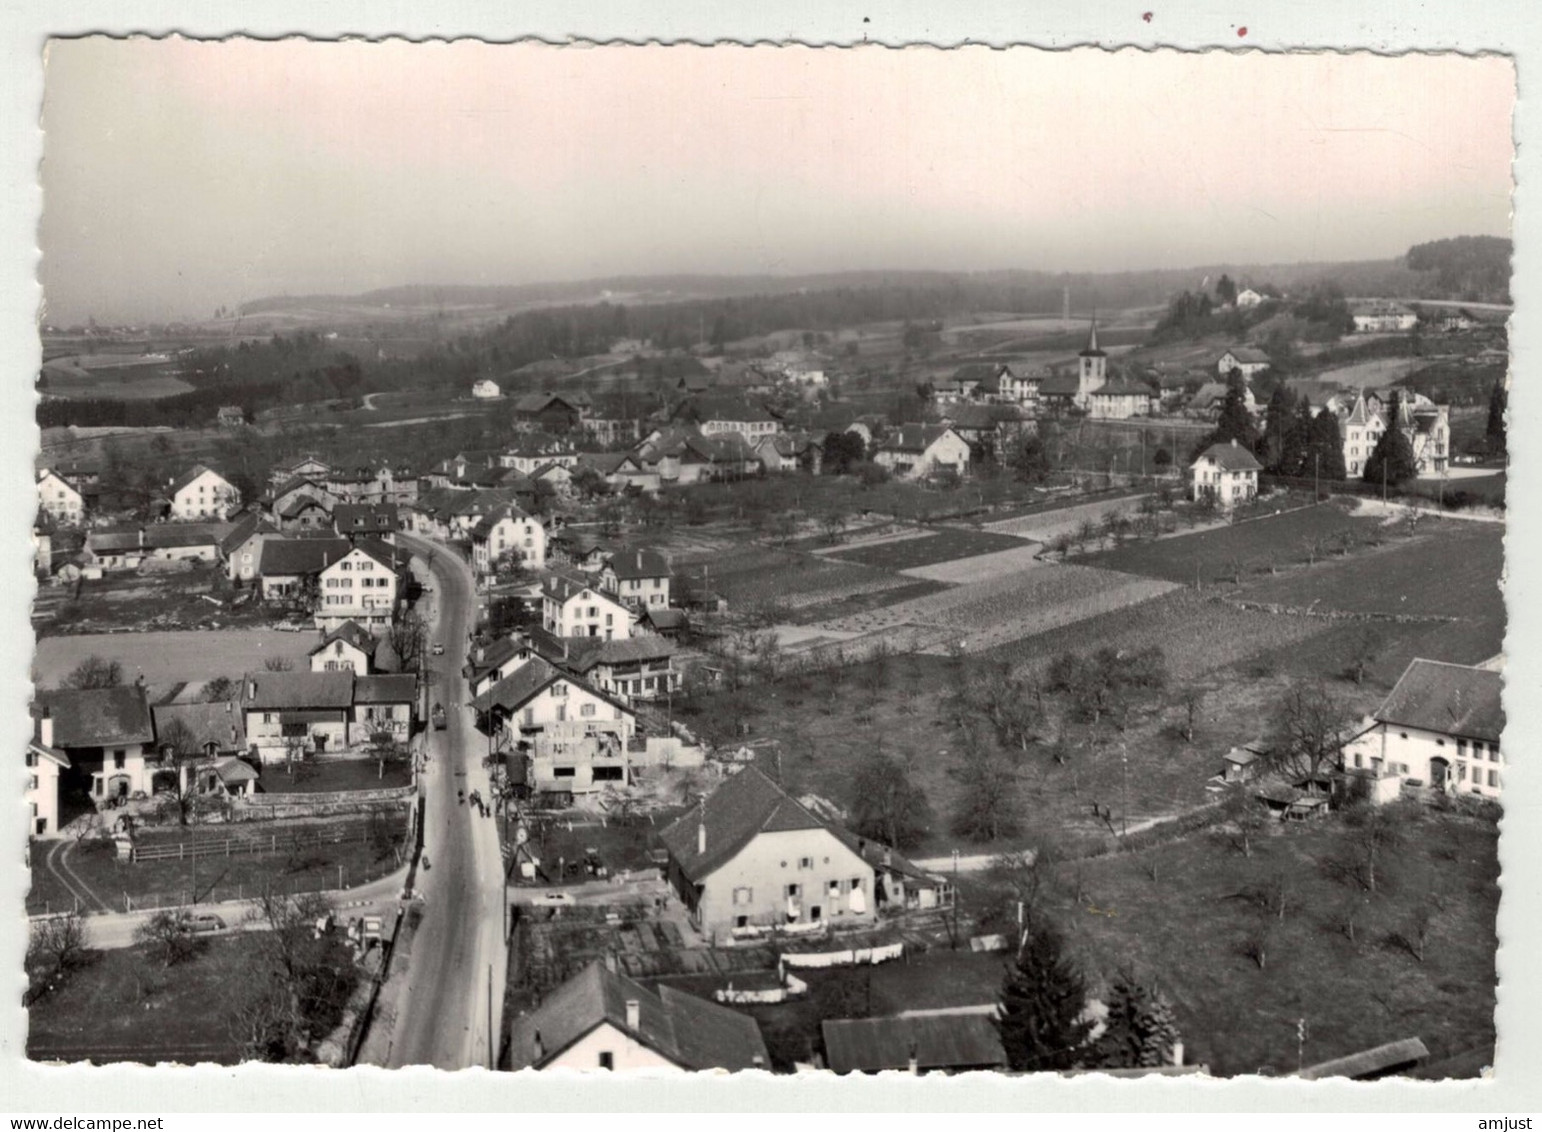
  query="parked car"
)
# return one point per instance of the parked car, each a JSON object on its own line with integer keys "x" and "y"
{"x": 205, "y": 922}
{"x": 555, "y": 899}
{"x": 438, "y": 648}
{"x": 440, "y": 720}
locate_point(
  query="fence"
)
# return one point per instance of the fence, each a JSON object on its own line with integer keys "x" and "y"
{"x": 1454, "y": 494}
{"x": 233, "y": 846}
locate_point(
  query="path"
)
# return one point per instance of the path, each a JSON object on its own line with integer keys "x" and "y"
{"x": 56, "y": 863}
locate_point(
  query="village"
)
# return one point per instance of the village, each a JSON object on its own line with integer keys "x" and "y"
{"x": 781, "y": 692}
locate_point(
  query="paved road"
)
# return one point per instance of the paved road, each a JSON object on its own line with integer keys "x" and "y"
{"x": 457, "y": 954}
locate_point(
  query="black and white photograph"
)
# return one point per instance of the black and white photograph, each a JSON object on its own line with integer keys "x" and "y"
{"x": 769, "y": 559}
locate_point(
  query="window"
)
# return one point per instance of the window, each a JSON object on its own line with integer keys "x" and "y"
{"x": 744, "y": 896}
{"x": 118, "y": 759}
{"x": 856, "y": 884}
{"x": 33, "y": 783}
{"x": 834, "y": 888}
{"x": 559, "y": 689}
{"x": 794, "y": 891}
{"x": 1493, "y": 779}
{"x": 587, "y": 711}
{"x": 607, "y": 1059}
{"x": 805, "y": 862}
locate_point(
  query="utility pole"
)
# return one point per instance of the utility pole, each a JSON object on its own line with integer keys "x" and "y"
{"x": 1316, "y": 476}
{"x": 953, "y": 935}
{"x": 1384, "y": 483}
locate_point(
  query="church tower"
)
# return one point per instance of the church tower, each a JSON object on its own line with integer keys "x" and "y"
{"x": 1093, "y": 373}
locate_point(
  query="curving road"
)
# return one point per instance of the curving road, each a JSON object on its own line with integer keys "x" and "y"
{"x": 457, "y": 953}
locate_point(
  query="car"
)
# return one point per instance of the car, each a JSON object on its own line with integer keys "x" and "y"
{"x": 438, "y": 648}
{"x": 205, "y": 922}
{"x": 555, "y": 899}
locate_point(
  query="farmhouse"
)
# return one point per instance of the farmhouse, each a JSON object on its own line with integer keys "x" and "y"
{"x": 1245, "y": 358}
{"x": 1439, "y": 728}
{"x": 750, "y": 855}
{"x": 573, "y": 606}
{"x": 638, "y": 668}
{"x": 296, "y": 712}
{"x": 550, "y": 412}
{"x": 621, "y": 470}
{"x": 988, "y": 429}
{"x": 1381, "y": 316}
{"x": 59, "y": 500}
{"x": 202, "y": 493}
{"x": 600, "y": 1019}
{"x": 290, "y": 566}
{"x": 305, "y": 468}
{"x": 104, "y": 734}
{"x": 241, "y": 546}
{"x": 1210, "y": 398}
{"x": 1227, "y": 473}
{"x": 716, "y": 415}
{"x": 1018, "y": 387}
{"x": 789, "y": 452}
{"x": 210, "y": 729}
{"x": 382, "y": 705}
{"x": 532, "y": 450}
{"x": 640, "y": 578}
{"x": 917, "y": 451}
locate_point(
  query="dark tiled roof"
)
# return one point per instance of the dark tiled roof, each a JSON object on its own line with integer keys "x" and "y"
{"x": 397, "y": 689}
{"x": 161, "y": 536}
{"x": 1060, "y": 385}
{"x": 354, "y": 634}
{"x": 939, "y": 1041}
{"x": 1231, "y": 457}
{"x": 348, "y": 517}
{"x": 690, "y": 1032}
{"x": 746, "y": 804}
{"x": 272, "y": 691}
{"x": 223, "y": 724}
{"x": 188, "y": 477}
{"x": 914, "y": 438}
{"x": 99, "y": 717}
{"x": 583, "y": 654}
{"x": 1248, "y": 355}
{"x": 519, "y": 687}
{"x": 1449, "y": 699}
{"x": 667, "y": 618}
{"x": 1124, "y": 389}
{"x": 495, "y": 656}
{"x": 248, "y": 525}
{"x": 639, "y": 563}
{"x": 283, "y": 557}
{"x": 299, "y": 503}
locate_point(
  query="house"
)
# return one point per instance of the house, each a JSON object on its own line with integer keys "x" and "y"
{"x": 637, "y": 668}
{"x": 600, "y": 1019}
{"x": 485, "y": 390}
{"x": 488, "y": 664}
{"x": 202, "y": 493}
{"x": 104, "y": 733}
{"x": 83, "y": 475}
{"x": 1245, "y": 763}
{"x": 1245, "y": 358}
{"x": 639, "y": 578}
{"x": 917, "y": 451}
{"x": 789, "y": 452}
{"x": 305, "y": 468}
{"x": 899, "y": 885}
{"x": 969, "y": 384}
{"x": 383, "y": 705}
{"x": 928, "y": 1043}
{"x": 191, "y": 542}
{"x": 289, "y": 567}
{"x": 1440, "y": 728}
{"x": 574, "y": 606}
{"x": 44, "y": 764}
{"x": 1247, "y": 298}
{"x": 241, "y": 546}
{"x": 532, "y": 450}
{"x": 347, "y": 648}
{"x": 1120, "y": 400}
{"x": 303, "y": 512}
{"x": 750, "y": 855}
{"x": 296, "y": 713}
{"x": 59, "y": 500}
{"x": 1227, "y": 473}
{"x": 355, "y": 521}
{"x": 211, "y": 730}
{"x": 1209, "y": 399}
{"x": 359, "y": 586}
{"x": 726, "y": 413}
{"x": 621, "y": 470}
{"x": 667, "y": 623}
{"x": 991, "y": 429}
{"x": 373, "y": 483}
{"x": 1018, "y": 386}
{"x": 230, "y": 416}
{"x": 550, "y": 412}
{"x": 610, "y": 425}
{"x": 1425, "y": 425}
{"x": 582, "y": 549}
{"x": 1380, "y": 316}
{"x": 507, "y": 531}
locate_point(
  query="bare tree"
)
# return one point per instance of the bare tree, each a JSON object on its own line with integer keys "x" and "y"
{"x": 407, "y": 637}
{"x": 1414, "y": 935}
{"x": 95, "y": 672}
{"x": 56, "y": 948}
{"x": 1374, "y": 832}
{"x": 1257, "y": 939}
{"x": 278, "y": 664}
{"x": 168, "y": 936}
{"x": 180, "y": 756}
{"x": 1308, "y": 730}
{"x": 1245, "y": 821}
{"x": 1189, "y": 701}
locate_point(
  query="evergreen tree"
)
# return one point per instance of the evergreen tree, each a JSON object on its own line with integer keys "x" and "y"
{"x": 1043, "y": 1000}
{"x": 1296, "y": 455}
{"x": 1392, "y": 460}
{"x": 1498, "y": 401}
{"x": 1140, "y": 1031}
{"x": 1236, "y": 422}
{"x": 1226, "y": 290}
{"x": 1326, "y": 446}
{"x": 1278, "y": 419}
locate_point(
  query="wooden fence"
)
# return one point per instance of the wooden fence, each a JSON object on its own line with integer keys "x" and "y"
{"x": 235, "y": 846}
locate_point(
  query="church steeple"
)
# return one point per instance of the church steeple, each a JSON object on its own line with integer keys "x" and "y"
{"x": 1092, "y": 370}
{"x": 1092, "y": 350}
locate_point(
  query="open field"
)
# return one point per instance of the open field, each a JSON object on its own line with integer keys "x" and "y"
{"x": 125, "y": 1006}
{"x": 982, "y": 567}
{"x": 945, "y": 545}
{"x": 758, "y": 575}
{"x": 118, "y": 377}
{"x": 326, "y": 775}
{"x": 169, "y": 657}
{"x": 1043, "y": 526}
{"x": 1377, "y": 373}
{"x": 1352, "y": 994}
{"x": 197, "y": 596}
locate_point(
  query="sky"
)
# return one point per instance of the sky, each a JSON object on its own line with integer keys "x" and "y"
{"x": 179, "y": 176}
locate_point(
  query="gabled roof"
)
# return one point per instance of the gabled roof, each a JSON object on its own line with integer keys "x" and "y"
{"x": 982, "y": 416}
{"x": 914, "y": 438}
{"x": 494, "y": 656}
{"x": 640, "y": 562}
{"x": 1247, "y": 355}
{"x": 1449, "y": 699}
{"x": 274, "y": 691}
{"x": 519, "y": 687}
{"x": 662, "y": 619}
{"x": 160, "y": 536}
{"x": 302, "y": 502}
{"x": 192, "y": 474}
{"x": 245, "y": 527}
{"x": 487, "y": 522}
{"x": 98, "y": 717}
{"x": 745, "y": 805}
{"x": 690, "y": 1032}
{"x": 223, "y": 724}
{"x": 539, "y": 402}
{"x": 1060, "y": 385}
{"x": 400, "y": 688}
{"x": 562, "y": 585}
{"x": 584, "y": 654}
{"x": 723, "y": 407}
{"x": 350, "y": 632}
{"x": 1231, "y": 457}
{"x": 364, "y": 517}
{"x": 1123, "y": 389}
{"x": 937, "y": 1041}
{"x": 282, "y": 557}
{"x": 607, "y": 463}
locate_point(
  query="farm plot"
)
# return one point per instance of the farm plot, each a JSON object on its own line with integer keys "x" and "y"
{"x": 987, "y": 614}
{"x": 165, "y": 658}
{"x": 1046, "y": 525}
{"x": 762, "y": 576}
{"x": 947, "y": 545}
{"x": 1213, "y": 555}
{"x": 982, "y": 567}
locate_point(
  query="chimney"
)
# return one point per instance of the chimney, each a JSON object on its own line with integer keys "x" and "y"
{"x": 1177, "y": 1053}
{"x": 537, "y": 1048}
{"x": 914, "y": 1062}
{"x": 701, "y": 838}
{"x": 1234, "y": 442}
{"x": 757, "y": 1061}
{"x": 141, "y": 538}
{"x": 45, "y": 730}
{"x": 633, "y": 1014}
{"x": 251, "y": 689}
{"x": 888, "y": 856}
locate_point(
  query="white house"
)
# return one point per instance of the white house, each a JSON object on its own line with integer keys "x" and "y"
{"x": 532, "y": 450}
{"x": 1247, "y": 298}
{"x": 917, "y": 451}
{"x": 298, "y": 712}
{"x": 574, "y": 606}
{"x": 1018, "y": 388}
{"x": 1227, "y": 473}
{"x": 360, "y": 586}
{"x": 202, "y": 493}
{"x": 507, "y": 531}
{"x": 640, "y": 578}
{"x": 104, "y": 733}
{"x": 1439, "y": 728}
{"x": 1379, "y": 316}
{"x": 484, "y": 390}
{"x": 600, "y": 1019}
{"x": 348, "y": 648}
{"x": 61, "y": 502}
{"x": 1121, "y": 400}
{"x": 1425, "y": 425}
{"x": 383, "y": 705}
{"x": 44, "y": 762}
{"x": 751, "y": 856}
{"x": 1244, "y": 358}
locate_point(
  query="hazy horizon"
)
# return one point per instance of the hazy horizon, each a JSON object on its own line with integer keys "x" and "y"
{"x": 179, "y": 176}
